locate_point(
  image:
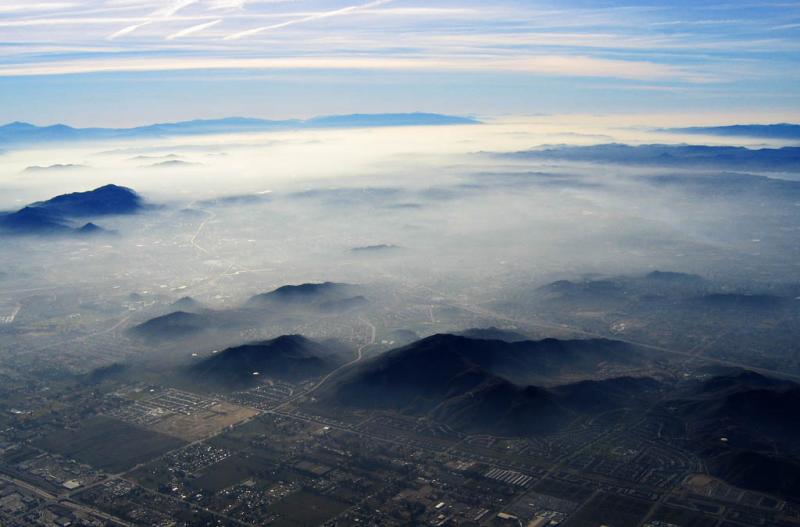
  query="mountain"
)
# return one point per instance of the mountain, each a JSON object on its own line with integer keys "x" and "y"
{"x": 291, "y": 358}
{"x": 325, "y": 297}
{"x": 26, "y": 133}
{"x": 188, "y": 304}
{"x": 178, "y": 324}
{"x": 761, "y": 471}
{"x": 457, "y": 380}
{"x": 671, "y": 277}
{"x": 380, "y": 248}
{"x": 532, "y": 361}
{"x": 342, "y": 305}
{"x": 402, "y": 336}
{"x": 106, "y": 200}
{"x": 749, "y": 403}
{"x": 432, "y": 378}
{"x": 54, "y": 216}
{"x": 173, "y": 163}
{"x": 757, "y": 417}
{"x": 90, "y": 228}
{"x": 493, "y": 333}
{"x": 388, "y": 119}
{"x": 32, "y": 220}
{"x": 765, "y": 131}
{"x": 190, "y": 318}
{"x": 302, "y": 293}
{"x": 738, "y": 379}
{"x": 701, "y": 156}
{"x": 613, "y": 292}
{"x": 600, "y": 395}
{"x": 53, "y": 168}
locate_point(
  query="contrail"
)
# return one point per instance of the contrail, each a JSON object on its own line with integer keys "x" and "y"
{"x": 193, "y": 29}
{"x": 168, "y": 11}
{"x": 318, "y": 16}
{"x": 129, "y": 29}
{"x": 160, "y": 14}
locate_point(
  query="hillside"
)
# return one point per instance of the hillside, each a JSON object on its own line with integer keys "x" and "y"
{"x": 456, "y": 380}
{"x": 290, "y": 357}
{"x": 173, "y": 325}
{"x": 325, "y": 297}
{"x": 58, "y": 215}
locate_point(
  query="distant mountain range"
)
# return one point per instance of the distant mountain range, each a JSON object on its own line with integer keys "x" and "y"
{"x": 191, "y": 319}
{"x": 379, "y": 248}
{"x": 26, "y": 133}
{"x": 658, "y": 288}
{"x": 700, "y": 156}
{"x": 53, "y": 168}
{"x": 765, "y": 131}
{"x": 58, "y": 215}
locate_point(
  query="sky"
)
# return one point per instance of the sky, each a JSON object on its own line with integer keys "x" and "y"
{"x": 131, "y": 62}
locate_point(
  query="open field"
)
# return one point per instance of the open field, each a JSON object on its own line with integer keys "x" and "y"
{"x": 109, "y": 444}
{"x": 305, "y": 508}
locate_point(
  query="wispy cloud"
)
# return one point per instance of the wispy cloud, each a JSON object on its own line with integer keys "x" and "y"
{"x": 161, "y": 14}
{"x": 193, "y": 29}
{"x": 571, "y": 66}
{"x": 129, "y": 29}
{"x": 317, "y": 16}
{"x": 35, "y": 6}
{"x": 702, "y": 43}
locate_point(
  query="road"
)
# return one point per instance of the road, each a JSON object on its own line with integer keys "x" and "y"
{"x": 322, "y": 381}
{"x": 50, "y": 499}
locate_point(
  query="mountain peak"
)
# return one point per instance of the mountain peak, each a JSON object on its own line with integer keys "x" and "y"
{"x": 288, "y": 357}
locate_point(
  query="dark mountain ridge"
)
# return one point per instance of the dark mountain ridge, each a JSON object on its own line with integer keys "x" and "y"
{"x": 464, "y": 382}
{"x": 493, "y": 333}
{"x": 745, "y": 426}
{"x": 57, "y": 215}
{"x": 766, "y": 131}
{"x": 665, "y": 155}
{"x": 291, "y": 358}
{"x": 175, "y": 325}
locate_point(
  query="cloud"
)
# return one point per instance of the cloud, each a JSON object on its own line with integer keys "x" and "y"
{"x": 163, "y": 13}
{"x": 640, "y": 43}
{"x": 35, "y": 6}
{"x": 129, "y": 29}
{"x": 566, "y": 65}
{"x": 317, "y": 16}
{"x": 193, "y": 29}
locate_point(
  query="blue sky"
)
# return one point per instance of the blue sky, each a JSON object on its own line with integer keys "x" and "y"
{"x": 122, "y": 62}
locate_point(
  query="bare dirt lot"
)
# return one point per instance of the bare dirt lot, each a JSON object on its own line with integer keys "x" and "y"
{"x": 203, "y": 423}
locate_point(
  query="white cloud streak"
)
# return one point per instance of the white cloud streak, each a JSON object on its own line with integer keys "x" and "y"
{"x": 161, "y": 14}
{"x": 568, "y": 65}
{"x": 194, "y": 29}
{"x": 35, "y": 6}
{"x": 317, "y": 16}
{"x": 129, "y": 29}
